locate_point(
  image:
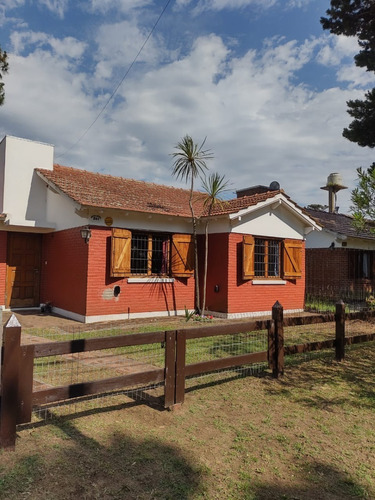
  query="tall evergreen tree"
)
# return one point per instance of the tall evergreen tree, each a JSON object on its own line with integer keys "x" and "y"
{"x": 356, "y": 18}
{"x": 3, "y": 69}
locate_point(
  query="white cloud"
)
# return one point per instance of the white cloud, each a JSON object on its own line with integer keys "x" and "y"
{"x": 5, "y": 7}
{"x": 66, "y": 47}
{"x": 11, "y": 4}
{"x": 57, "y": 7}
{"x": 203, "y": 5}
{"x": 260, "y": 123}
{"x": 118, "y": 45}
{"x": 337, "y": 48}
{"x": 104, "y": 6}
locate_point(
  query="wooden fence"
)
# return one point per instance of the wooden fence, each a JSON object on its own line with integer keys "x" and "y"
{"x": 18, "y": 397}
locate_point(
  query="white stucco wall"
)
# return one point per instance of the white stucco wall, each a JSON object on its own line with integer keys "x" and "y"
{"x": 324, "y": 239}
{"x": 23, "y": 194}
{"x": 272, "y": 220}
{"x": 64, "y": 214}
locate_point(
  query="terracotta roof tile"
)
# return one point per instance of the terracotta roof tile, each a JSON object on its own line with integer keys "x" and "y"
{"x": 106, "y": 191}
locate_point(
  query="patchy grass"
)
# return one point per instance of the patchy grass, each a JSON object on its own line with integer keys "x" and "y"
{"x": 307, "y": 436}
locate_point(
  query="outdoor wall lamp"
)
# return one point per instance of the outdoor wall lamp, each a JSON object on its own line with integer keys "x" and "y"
{"x": 86, "y": 234}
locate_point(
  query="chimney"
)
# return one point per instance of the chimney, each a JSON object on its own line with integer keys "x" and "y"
{"x": 250, "y": 191}
{"x": 334, "y": 184}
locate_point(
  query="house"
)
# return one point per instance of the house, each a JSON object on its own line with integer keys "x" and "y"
{"x": 340, "y": 259}
{"x": 99, "y": 247}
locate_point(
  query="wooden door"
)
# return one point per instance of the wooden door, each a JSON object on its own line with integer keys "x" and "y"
{"x": 23, "y": 270}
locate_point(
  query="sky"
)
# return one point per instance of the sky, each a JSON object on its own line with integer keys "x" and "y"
{"x": 114, "y": 85}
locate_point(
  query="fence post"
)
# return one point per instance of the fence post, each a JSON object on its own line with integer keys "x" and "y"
{"x": 340, "y": 331}
{"x": 11, "y": 358}
{"x": 170, "y": 368}
{"x": 271, "y": 345}
{"x": 180, "y": 366}
{"x": 278, "y": 318}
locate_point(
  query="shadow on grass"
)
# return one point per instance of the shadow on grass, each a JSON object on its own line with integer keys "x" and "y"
{"x": 320, "y": 481}
{"x": 74, "y": 465}
{"x": 355, "y": 376}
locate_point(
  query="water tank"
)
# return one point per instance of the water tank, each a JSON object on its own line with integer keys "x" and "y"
{"x": 335, "y": 179}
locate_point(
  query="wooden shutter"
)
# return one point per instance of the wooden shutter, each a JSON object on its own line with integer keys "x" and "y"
{"x": 120, "y": 252}
{"x": 182, "y": 256}
{"x": 248, "y": 246}
{"x": 292, "y": 259}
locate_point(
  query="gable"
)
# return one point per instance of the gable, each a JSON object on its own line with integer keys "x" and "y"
{"x": 271, "y": 221}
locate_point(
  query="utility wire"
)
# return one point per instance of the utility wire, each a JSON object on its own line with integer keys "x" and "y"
{"x": 119, "y": 84}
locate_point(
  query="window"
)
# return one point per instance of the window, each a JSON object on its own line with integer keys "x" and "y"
{"x": 151, "y": 254}
{"x": 360, "y": 264}
{"x": 266, "y": 258}
{"x": 271, "y": 258}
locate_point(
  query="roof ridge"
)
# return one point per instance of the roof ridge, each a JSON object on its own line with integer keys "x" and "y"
{"x": 128, "y": 179}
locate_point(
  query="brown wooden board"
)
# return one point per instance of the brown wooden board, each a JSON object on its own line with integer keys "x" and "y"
{"x": 170, "y": 368}
{"x": 219, "y": 364}
{"x": 180, "y": 366}
{"x": 308, "y": 347}
{"x": 9, "y": 386}
{"x": 309, "y": 320}
{"x": 357, "y": 339}
{"x": 25, "y": 384}
{"x": 211, "y": 331}
{"x": 96, "y": 387}
{"x": 95, "y": 344}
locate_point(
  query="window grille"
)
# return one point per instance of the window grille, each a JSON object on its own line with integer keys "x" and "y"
{"x": 150, "y": 254}
{"x": 267, "y": 258}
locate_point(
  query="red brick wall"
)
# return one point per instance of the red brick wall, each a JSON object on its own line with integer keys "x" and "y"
{"x": 3, "y": 265}
{"x": 64, "y": 270}
{"x": 133, "y": 297}
{"x": 327, "y": 272}
{"x": 243, "y": 296}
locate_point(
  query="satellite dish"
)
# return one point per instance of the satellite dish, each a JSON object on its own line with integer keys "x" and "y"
{"x": 274, "y": 186}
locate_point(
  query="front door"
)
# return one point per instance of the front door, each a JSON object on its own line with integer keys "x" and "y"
{"x": 23, "y": 269}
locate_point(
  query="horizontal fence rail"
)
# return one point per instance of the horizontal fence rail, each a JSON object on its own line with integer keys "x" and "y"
{"x": 18, "y": 398}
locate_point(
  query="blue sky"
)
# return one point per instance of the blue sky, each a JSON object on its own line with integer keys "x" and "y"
{"x": 259, "y": 78}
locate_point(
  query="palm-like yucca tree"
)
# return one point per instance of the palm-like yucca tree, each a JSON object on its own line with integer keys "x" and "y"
{"x": 213, "y": 187}
{"x": 189, "y": 163}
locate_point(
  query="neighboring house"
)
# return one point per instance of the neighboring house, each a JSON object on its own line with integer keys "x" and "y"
{"x": 340, "y": 261}
{"x": 100, "y": 247}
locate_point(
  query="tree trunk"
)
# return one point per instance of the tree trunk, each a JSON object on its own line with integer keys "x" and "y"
{"x": 205, "y": 268}
{"x": 196, "y": 277}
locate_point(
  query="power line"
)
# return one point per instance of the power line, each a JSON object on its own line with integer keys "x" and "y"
{"x": 119, "y": 84}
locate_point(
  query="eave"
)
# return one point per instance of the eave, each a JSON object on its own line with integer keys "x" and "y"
{"x": 273, "y": 204}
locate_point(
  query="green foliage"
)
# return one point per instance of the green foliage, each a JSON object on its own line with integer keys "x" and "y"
{"x": 317, "y": 206}
{"x": 4, "y": 66}
{"x": 361, "y": 129}
{"x": 363, "y": 198}
{"x": 355, "y": 18}
{"x": 190, "y": 161}
{"x": 188, "y": 314}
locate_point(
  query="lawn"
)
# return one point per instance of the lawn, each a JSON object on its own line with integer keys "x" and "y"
{"x": 308, "y": 435}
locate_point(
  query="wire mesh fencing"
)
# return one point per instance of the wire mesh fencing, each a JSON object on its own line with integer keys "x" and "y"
{"x": 96, "y": 365}
{"x": 224, "y": 346}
